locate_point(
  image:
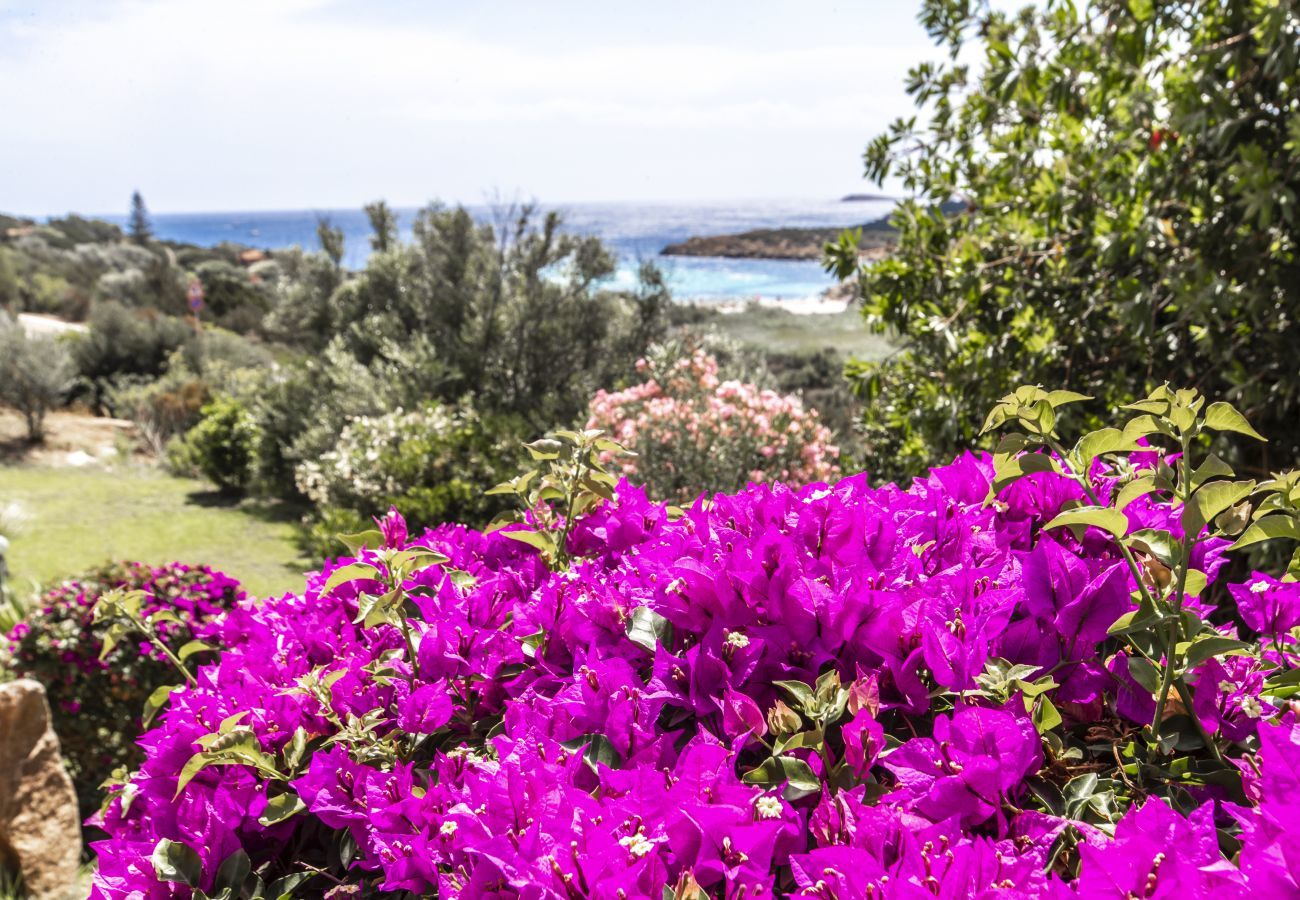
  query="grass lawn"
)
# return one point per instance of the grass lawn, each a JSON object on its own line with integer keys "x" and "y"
{"x": 776, "y": 330}
{"x": 71, "y": 519}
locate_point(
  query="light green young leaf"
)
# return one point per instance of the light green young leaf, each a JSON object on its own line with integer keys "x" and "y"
{"x": 1268, "y": 529}
{"x": 351, "y": 572}
{"x": 1111, "y": 521}
{"x": 189, "y": 648}
{"x": 542, "y": 542}
{"x": 1138, "y": 487}
{"x": 1224, "y": 417}
{"x": 354, "y": 542}
{"x": 1061, "y": 398}
{"x": 156, "y": 701}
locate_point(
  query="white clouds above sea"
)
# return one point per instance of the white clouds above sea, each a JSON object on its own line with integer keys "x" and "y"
{"x": 298, "y": 103}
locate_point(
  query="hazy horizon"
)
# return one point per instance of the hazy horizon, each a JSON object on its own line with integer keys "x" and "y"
{"x": 321, "y": 105}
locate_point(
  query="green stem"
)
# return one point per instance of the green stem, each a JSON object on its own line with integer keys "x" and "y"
{"x": 148, "y": 632}
{"x": 1186, "y": 693}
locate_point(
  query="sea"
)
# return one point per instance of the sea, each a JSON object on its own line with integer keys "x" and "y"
{"x": 636, "y": 232}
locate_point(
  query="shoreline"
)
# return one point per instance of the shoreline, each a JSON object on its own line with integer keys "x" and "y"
{"x": 833, "y": 301}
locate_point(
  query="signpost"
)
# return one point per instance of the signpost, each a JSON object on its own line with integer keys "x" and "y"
{"x": 195, "y": 295}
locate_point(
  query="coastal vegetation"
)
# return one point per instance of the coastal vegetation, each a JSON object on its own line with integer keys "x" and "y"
{"x": 1130, "y": 173}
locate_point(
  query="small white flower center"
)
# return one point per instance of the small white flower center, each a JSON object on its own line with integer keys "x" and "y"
{"x": 738, "y": 639}
{"x": 637, "y": 844}
{"x": 767, "y": 807}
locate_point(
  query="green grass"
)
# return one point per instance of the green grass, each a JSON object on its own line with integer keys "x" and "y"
{"x": 776, "y": 330}
{"x": 72, "y": 519}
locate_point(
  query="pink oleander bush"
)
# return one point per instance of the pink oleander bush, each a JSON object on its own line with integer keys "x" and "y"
{"x": 1020, "y": 676}
{"x": 96, "y": 700}
{"x": 693, "y": 431}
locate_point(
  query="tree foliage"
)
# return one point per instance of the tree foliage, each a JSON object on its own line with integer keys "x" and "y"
{"x": 36, "y": 373}
{"x": 1129, "y": 172}
{"x": 140, "y": 227}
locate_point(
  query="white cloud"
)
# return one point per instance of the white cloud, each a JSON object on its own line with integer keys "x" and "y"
{"x": 243, "y": 104}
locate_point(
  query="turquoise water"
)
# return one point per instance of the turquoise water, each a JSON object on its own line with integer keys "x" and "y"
{"x": 636, "y": 232}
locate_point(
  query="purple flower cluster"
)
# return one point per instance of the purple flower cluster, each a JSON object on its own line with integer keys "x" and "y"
{"x": 780, "y": 692}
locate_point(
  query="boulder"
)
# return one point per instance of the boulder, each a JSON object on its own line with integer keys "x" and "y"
{"x": 40, "y": 831}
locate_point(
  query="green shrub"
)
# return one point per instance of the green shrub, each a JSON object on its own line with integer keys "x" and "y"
{"x": 433, "y": 464}
{"x": 126, "y": 342}
{"x": 223, "y": 445}
{"x": 97, "y": 704}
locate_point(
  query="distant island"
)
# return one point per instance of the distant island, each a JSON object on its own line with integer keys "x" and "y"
{"x": 864, "y": 198}
{"x": 878, "y": 239}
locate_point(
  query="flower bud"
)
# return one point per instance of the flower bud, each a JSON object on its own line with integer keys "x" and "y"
{"x": 783, "y": 720}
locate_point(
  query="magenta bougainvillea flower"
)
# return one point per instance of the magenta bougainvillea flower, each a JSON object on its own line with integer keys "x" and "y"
{"x": 780, "y": 692}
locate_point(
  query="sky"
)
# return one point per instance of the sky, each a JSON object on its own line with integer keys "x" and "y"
{"x": 207, "y": 105}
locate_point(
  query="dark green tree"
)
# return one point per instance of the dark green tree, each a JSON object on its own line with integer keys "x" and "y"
{"x": 139, "y": 226}
{"x": 1129, "y": 171}
{"x": 331, "y": 240}
{"x": 384, "y": 224}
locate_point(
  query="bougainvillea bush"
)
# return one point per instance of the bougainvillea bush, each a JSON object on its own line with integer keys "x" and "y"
{"x": 1020, "y": 676}
{"x": 693, "y": 430}
{"x": 97, "y": 699}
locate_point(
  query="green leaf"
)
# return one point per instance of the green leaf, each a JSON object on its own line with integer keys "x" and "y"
{"x": 284, "y": 888}
{"x": 1268, "y": 529}
{"x": 281, "y": 807}
{"x": 799, "y": 777}
{"x": 648, "y": 629}
{"x": 189, "y": 648}
{"x": 1107, "y": 440}
{"x": 176, "y": 863}
{"x": 1138, "y": 487}
{"x": 1061, "y": 398}
{"x": 1224, "y": 417}
{"x": 1111, "y": 521}
{"x": 1144, "y": 673}
{"x": 164, "y": 615}
{"x": 543, "y": 542}
{"x": 796, "y": 774}
{"x": 1156, "y": 542}
{"x": 232, "y": 873}
{"x": 1008, "y": 470}
{"x": 800, "y": 695}
{"x": 196, "y": 764}
{"x": 1046, "y": 716}
{"x": 596, "y": 750}
{"x": 1195, "y": 583}
{"x": 1213, "y": 498}
{"x": 355, "y": 542}
{"x": 544, "y": 449}
{"x": 1208, "y": 647}
{"x": 1154, "y": 407}
{"x": 1211, "y": 467}
{"x": 157, "y": 700}
{"x": 351, "y": 572}
{"x": 1141, "y": 426}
